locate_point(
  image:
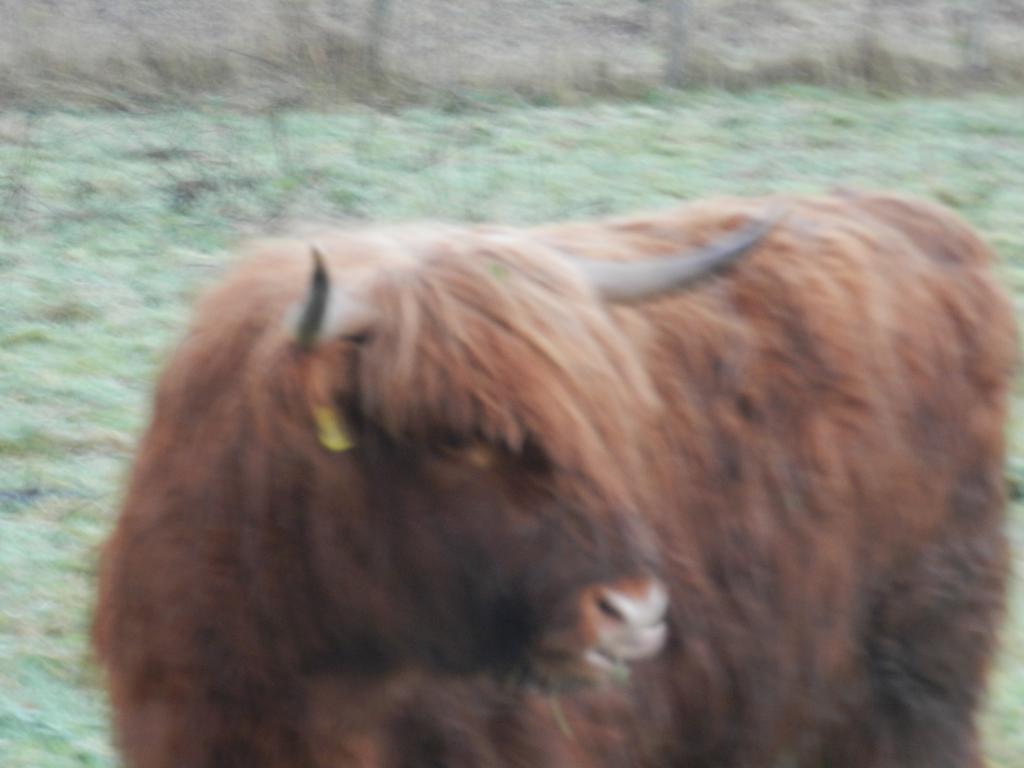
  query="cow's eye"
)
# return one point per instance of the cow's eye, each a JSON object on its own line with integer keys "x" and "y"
{"x": 465, "y": 449}
{"x": 451, "y": 442}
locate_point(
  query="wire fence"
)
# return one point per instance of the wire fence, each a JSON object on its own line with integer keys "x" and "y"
{"x": 314, "y": 50}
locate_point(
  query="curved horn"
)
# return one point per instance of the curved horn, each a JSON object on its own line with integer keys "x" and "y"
{"x": 635, "y": 281}
{"x": 328, "y": 312}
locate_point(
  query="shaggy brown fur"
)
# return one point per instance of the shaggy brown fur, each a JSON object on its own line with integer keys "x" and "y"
{"x": 808, "y": 451}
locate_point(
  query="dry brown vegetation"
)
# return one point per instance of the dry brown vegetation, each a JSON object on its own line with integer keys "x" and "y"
{"x": 285, "y": 52}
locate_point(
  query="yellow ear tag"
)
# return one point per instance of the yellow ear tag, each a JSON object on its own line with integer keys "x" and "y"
{"x": 332, "y": 435}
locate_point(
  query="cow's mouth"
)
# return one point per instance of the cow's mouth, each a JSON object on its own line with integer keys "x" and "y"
{"x": 630, "y": 626}
{"x": 614, "y": 654}
{"x": 619, "y": 624}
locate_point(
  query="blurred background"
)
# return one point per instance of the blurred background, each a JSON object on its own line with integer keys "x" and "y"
{"x": 141, "y": 139}
{"x": 252, "y": 52}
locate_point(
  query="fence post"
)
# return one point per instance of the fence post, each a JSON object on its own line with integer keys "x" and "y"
{"x": 678, "y": 20}
{"x": 376, "y": 36}
{"x": 975, "y": 45}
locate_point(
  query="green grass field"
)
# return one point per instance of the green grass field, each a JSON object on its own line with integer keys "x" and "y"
{"x": 109, "y": 223}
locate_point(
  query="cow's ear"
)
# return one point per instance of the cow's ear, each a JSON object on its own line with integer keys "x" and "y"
{"x": 327, "y": 312}
{"x": 325, "y": 383}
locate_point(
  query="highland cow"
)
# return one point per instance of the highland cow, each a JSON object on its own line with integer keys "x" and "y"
{"x": 596, "y": 494}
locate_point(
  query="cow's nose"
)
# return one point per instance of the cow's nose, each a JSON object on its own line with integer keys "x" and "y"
{"x": 628, "y": 622}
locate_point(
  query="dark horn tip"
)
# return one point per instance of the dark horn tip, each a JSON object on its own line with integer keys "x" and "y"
{"x": 315, "y": 304}
{"x": 319, "y": 269}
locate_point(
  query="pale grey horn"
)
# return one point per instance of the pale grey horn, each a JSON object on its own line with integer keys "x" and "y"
{"x": 621, "y": 282}
{"x": 328, "y": 312}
